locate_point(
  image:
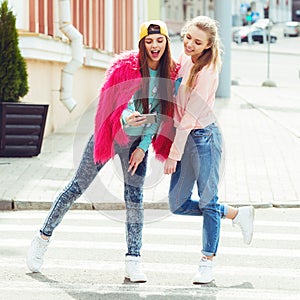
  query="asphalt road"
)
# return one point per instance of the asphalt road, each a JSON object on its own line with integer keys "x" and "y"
{"x": 86, "y": 258}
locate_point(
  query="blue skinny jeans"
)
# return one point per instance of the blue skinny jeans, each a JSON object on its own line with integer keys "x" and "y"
{"x": 85, "y": 174}
{"x": 200, "y": 164}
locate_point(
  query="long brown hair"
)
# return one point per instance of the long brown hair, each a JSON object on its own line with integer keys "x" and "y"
{"x": 165, "y": 88}
{"x": 209, "y": 56}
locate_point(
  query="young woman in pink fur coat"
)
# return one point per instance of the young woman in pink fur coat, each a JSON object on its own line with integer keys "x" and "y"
{"x": 138, "y": 82}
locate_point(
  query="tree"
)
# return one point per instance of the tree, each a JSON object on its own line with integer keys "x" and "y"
{"x": 13, "y": 69}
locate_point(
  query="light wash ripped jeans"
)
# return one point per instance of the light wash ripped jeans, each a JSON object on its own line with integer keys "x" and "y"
{"x": 200, "y": 164}
{"x": 85, "y": 174}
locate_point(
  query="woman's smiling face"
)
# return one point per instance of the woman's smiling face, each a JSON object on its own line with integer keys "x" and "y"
{"x": 155, "y": 46}
{"x": 195, "y": 42}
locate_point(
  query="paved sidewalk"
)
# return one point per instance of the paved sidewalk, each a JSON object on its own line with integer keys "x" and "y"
{"x": 261, "y": 133}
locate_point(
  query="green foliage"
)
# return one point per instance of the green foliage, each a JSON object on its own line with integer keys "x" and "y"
{"x": 13, "y": 70}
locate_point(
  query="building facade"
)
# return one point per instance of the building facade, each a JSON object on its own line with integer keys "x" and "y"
{"x": 177, "y": 12}
{"x": 107, "y": 27}
{"x": 296, "y": 10}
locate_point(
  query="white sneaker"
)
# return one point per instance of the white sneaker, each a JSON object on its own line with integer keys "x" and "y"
{"x": 36, "y": 253}
{"x": 244, "y": 220}
{"x": 205, "y": 272}
{"x": 133, "y": 270}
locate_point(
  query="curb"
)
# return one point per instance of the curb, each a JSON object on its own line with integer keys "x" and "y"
{"x": 286, "y": 205}
{"x": 6, "y": 205}
{"x": 13, "y": 205}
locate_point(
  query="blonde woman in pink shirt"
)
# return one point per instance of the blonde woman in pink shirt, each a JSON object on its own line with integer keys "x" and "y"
{"x": 196, "y": 151}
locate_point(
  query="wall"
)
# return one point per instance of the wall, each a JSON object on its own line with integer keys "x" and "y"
{"x": 44, "y": 83}
{"x": 45, "y": 58}
{"x": 46, "y": 50}
{"x": 296, "y": 10}
{"x": 154, "y": 9}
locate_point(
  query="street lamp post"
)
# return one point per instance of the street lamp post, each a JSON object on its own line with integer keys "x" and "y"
{"x": 269, "y": 82}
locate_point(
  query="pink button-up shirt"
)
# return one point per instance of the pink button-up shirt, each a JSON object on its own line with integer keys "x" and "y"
{"x": 194, "y": 106}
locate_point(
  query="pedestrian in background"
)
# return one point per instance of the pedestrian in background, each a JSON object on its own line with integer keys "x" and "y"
{"x": 137, "y": 83}
{"x": 196, "y": 152}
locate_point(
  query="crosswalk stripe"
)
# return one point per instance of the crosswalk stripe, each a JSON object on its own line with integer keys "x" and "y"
{"x": 106, "y": 216}
{"x": 177, "y": 248}
{"x": 264, "y": 270}
{"x": 150, "y": 231}
{"x": 177, "y": 268}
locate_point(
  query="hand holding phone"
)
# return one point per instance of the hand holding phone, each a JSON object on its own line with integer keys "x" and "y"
{"x": 150, "y": 118}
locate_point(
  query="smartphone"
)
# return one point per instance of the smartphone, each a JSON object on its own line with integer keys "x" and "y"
{"x": 150, "y": 118}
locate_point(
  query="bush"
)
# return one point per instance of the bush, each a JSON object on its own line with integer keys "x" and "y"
{"x": 13, "y": 69}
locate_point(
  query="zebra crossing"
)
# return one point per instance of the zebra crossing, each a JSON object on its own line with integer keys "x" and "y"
{"x": 85, "y": 259}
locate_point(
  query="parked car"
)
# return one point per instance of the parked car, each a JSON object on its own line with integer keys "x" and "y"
{"x": 291, "y": 29}
{"x": 240, "y": 33}
{"x": 263, "y": 24}
{"x": 258, "y": 35}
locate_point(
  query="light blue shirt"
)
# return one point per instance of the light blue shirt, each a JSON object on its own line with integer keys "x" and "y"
{"x": 147, "y": 130}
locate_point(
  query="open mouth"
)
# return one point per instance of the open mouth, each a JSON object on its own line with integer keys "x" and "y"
{"x": 187, "y": 50}
{"x": 155, "y": 53}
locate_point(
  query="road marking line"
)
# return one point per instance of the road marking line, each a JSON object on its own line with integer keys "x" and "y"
{"x": 166, "y": 248}
{"x": 177, "y": 268}
{"x": 152, "y": 231}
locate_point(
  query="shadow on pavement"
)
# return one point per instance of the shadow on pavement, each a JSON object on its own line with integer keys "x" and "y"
{"x": 132, "y": 291}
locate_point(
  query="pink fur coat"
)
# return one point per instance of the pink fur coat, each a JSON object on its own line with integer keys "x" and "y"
{"x": 122, "y": 80}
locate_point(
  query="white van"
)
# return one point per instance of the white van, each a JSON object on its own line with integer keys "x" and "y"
{"x": 291, "y": 29}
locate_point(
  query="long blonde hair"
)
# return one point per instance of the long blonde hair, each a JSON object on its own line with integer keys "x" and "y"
{"x": 209, "y": 56}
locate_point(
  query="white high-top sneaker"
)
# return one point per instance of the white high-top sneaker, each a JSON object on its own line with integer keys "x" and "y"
{"x": 244, "y": 220}
{"x": 36, "y": 251}
{"x": 133, "y": 270}
{"x": 205, "y": 272}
